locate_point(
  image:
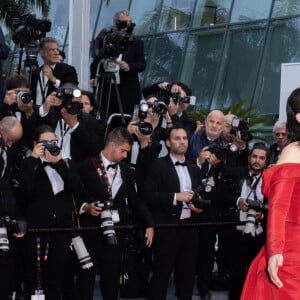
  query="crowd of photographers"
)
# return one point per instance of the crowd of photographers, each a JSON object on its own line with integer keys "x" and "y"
{"x": 62, "y": 165}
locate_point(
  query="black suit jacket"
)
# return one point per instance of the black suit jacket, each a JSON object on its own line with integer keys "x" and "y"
{"x": 97, "y": 191}
{"x": 87, "y": 139}
{"x": 129, "y": 87}
{"x": 63, "y": 72}
{"x": 43, "y": 208}
{"x": 161, "y": 184}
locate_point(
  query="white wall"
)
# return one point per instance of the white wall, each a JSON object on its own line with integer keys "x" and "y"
{"x": 290, "y": 79}
{"x": 79, "y": 27}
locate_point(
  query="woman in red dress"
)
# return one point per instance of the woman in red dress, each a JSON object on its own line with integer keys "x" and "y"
{"x": 275, "y": 272}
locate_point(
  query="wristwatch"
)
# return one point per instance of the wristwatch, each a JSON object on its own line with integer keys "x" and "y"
{"x": 57, "y": 83}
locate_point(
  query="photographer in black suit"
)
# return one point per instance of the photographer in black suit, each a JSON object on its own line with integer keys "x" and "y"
{"x": 52, "y": 74}
{"x": 168, "y": 191}
{"x": 49, "y": 182}
{"x": 79, "y": 134}
{"x": 111, "y": 185}
{"x": 10, "y": 132}
{"x": 129, "y": 62}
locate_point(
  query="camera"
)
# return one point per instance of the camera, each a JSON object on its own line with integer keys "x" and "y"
{"x": 159, "y": 107}
{"x": 8, "y": 225}
{"x": 254, "y": 206}
{"x": 29, "y": 28}
{"x": 221, "y": 151}
{"x": 107, "y": 223}
{"x": 25, "y": 97}
{"x": 66, "y": 94}
{"x": 52, "y": 148}
{"x": 198, "y": 201}
{"x": 242, "y": 126}
{"x": 187, "y": 99}
{"x": 257, "y": 205}
{"x": 145, "y": 128}
{"x": 83, "y": 256}
{"x": 111, "y": 43}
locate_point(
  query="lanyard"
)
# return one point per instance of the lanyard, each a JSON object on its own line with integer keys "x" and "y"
{"x": 39, "y": 260}
{"x": 102, "y": 175}
{"x": 63, "y": 129}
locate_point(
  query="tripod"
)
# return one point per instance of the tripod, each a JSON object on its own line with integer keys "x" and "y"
{"x": 105, "y": 81}
{"x": 30, "y": 63}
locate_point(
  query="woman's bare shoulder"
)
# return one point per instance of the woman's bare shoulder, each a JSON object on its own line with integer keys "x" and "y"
{"x": 290, "y": 154}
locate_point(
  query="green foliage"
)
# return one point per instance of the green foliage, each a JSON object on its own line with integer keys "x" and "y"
{"x": 14, "y": 9}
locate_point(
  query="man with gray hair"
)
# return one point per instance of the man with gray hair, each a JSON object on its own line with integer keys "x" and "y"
{"x": 52, "y": 74}
{"x": 280, "y": 138}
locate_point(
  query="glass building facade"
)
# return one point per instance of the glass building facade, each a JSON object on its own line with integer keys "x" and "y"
{"x": 226, "y": 50}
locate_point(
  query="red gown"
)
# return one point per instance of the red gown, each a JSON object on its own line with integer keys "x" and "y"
{"x": 281, "y": 184}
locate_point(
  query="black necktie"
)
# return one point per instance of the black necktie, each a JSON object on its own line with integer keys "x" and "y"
{"x": 178, "y": 163}
{"x": 112, "y": 166}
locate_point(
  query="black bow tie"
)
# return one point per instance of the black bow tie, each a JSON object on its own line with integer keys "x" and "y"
{"x": 178, "y": 163}
{"x": 46, "y": 163}
{"x": 112, "y": 166}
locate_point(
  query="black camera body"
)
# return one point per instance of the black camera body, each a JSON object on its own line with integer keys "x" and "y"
{"x": 111, "y": 43}
{"x": 107, "y": 223}
{"x": 257, "y": 205}
{"x": 176, "y": 98}
{"x": 25, "y": 97}
{"x": 8, "y": 225}
{"x": 242, "y": 126}
{"x": 145, "y": 128}
{"x": 29, "y": 28}
{"x": 66, "y": 94}
{"x": 198, "y": 201}
{"x": 53, "y": 149}
{"x": 159, "y": 107}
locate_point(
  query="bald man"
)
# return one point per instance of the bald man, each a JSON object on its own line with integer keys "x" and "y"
{"x": 214, "y": 125}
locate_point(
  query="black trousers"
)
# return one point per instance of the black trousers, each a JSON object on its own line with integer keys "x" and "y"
{"x": 53, "y": 269}
{"x": 174, "y": 250}
{"x": 244, "y": 250}
{"x": 107, "y": 261}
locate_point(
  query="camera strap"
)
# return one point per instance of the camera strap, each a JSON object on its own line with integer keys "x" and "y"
{"x": 39, "y": 261}
{"x": 253, "y": 187}
{"x": 102, "y": 175}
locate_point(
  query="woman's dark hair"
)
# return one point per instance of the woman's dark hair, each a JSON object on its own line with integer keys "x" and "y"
{"x": 92, "y": 101}
{"x": 17, "y": 81}
{"x": 40, "y": 130}
{"x": 292, "y": 108}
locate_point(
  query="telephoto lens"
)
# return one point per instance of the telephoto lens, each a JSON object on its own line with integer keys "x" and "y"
{"x": 4, "y": 242}
{"x": 83, "y": 256}
{"x": 108, "y": 227}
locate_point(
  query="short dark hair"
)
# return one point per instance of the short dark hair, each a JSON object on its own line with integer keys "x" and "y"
{"x": 62, "y": 53}
{"x": 17, "y": 81}
{"x": 184, "y": 87}
{"x": 175, "y": 127}
{"x": 119, "y": 135}
{"x": 40, "y": 130}
{"x": 91, "y": 97}
{"x": 260, "y": 146}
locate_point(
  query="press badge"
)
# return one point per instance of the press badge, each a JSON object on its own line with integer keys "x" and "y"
{"x": 115, "y": 216}
{"x": 38, "y": 295}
